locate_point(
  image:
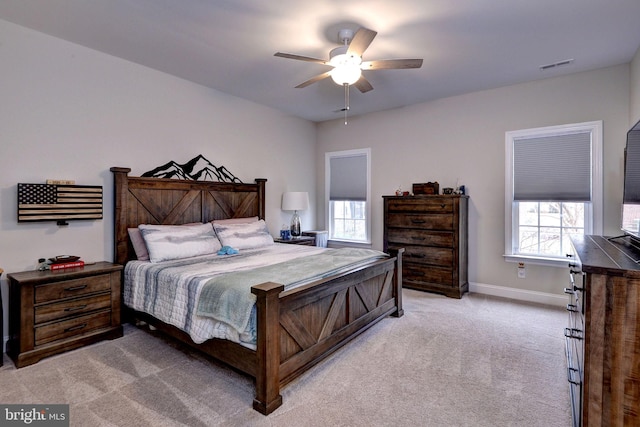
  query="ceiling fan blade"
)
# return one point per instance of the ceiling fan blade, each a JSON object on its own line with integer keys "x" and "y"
{"x": 361, "y": 41}
{"x": 301, "y": 58}
{"x": 387, "y": 64}
{"x": 314, "y": 79}
{"x": 363, "y": 85}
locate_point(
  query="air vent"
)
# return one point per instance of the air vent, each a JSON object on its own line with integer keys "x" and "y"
{"x": 556, "y": 64}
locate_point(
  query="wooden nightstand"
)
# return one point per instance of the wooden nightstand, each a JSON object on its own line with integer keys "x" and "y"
{"x": 55, "y": 311}
{"x": 302, "y": 240}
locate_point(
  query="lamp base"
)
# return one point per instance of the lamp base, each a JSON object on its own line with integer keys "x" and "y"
{"x": 296, "y": 231}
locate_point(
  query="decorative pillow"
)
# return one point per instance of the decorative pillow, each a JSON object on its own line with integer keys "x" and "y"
{"x": 139, "y": 246}
{"x": 244, "y": 236}
{"x": 137, "y": 241}
{"x": 235, "y": 220}
{"x": 166, "y": 242}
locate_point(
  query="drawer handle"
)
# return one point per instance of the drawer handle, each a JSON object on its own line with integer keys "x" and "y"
{"x": 443, "y": 205}
{"x": 572, "y": 308}
{"x": 75, "y": 328}
{"x": 418, "y": 221}
{"x": 75, "y": 288}
{"x": 573, "y": 333}
{"x": 76, "y": 308}
{"x": 417, "y": 238}
{"x": 417, "y": 273}
{"x": 417, "y": 256}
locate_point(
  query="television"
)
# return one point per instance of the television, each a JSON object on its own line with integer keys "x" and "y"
{"x": 631, "y": 195}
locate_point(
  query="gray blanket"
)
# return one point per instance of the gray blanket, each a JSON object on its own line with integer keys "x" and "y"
{"x": 228, "y": 298}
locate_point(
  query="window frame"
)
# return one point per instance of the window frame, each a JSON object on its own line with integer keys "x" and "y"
{"x": 348, "y": 153}
{"x": 593, "y": 210}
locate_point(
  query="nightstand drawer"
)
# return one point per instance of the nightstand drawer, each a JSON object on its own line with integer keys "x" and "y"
{"x": 73, "y": 327}
{"x": 75, "y": 307}
{"x": 72, "y": 288}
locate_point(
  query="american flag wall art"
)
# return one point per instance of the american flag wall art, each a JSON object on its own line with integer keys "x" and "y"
{"x": 53, "y": 202}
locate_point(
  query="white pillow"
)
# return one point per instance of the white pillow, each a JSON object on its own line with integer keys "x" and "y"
{"x": 166, "y": 242}
{"x": 244, "y": 236}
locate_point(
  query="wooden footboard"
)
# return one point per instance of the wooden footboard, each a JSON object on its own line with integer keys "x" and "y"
{"x": 307, "y": 324}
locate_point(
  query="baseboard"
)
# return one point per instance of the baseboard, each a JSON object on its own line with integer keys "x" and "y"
{"x": 519, "y": 294}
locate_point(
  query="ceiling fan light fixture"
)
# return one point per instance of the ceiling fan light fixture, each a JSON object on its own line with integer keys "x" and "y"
{"x": 346, "y": 67}
{"x": 346, "y": 74}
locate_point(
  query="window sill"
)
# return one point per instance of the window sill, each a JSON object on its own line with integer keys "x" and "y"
{"x": 549, "y": 262}
{"x": 348, "y": 243}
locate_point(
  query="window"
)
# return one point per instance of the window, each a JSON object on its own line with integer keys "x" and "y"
{"x": 347, "y": 195}
{"x": 553, "y": 190}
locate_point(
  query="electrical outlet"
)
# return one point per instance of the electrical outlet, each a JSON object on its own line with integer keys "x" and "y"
{"x": 521, "y": 271}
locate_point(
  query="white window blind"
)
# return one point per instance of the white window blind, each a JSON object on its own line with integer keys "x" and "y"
{"x": 348, "y": 178}
{"x": 552, "y": 168}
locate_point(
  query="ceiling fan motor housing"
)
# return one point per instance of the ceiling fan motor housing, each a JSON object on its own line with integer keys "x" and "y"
{"x": 345, "y": 36}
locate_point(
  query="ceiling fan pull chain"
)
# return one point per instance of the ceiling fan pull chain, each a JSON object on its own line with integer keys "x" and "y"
{"x": 346, "y": 102}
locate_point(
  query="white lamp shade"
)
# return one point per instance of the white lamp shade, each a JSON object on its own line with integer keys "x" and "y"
{"x": 295, "y": 201}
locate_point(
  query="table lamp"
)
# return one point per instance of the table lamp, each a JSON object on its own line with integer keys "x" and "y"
{"x": 295, "y": 201}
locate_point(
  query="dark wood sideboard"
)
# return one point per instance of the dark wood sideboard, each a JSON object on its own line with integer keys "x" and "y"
{"x": 608, "y": 377}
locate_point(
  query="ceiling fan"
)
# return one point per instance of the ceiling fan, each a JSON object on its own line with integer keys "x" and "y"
{"x": 347, "y": 62}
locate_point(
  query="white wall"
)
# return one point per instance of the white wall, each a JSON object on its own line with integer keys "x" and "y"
{"x": 68, "y": 112}
{"x": 635, "y": 90}
{"x": 462, "y": 139}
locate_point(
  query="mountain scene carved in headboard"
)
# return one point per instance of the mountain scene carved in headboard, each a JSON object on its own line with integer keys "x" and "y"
{"x": 198, "y": 169}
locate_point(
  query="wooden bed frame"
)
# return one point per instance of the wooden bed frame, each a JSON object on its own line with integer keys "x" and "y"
{"x": 296, "y": 328}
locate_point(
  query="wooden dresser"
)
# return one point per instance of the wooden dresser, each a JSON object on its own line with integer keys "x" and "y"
{"x": 55, "y": 311}
{"x": 433, "y": 231}
{"x": 607, "y": 380}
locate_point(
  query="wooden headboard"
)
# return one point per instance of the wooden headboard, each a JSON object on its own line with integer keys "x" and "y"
{"x": 174, "y": 201}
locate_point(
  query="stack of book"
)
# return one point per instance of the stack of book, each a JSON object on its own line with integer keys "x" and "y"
{"x": 62, "y": 265}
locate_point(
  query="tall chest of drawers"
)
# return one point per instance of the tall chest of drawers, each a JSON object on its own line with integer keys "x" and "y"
{"x": 55, "y": 311}
{"x": 433, "y": 230}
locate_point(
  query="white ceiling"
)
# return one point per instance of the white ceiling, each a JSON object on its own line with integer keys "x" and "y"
{"x": 467, "y": 45}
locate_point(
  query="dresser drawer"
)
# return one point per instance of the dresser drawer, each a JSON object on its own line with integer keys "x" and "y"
{"x": 72, "y": 288}
{"x": 420, "y": 221}
{"x": 424, "y": 274}
{"x": 74, "y": 307}
{"x": 419, "y": 204}
{"x": 428, "y": 256}
{"x": 68, "y": 328}
{"x": 401, "y": 237}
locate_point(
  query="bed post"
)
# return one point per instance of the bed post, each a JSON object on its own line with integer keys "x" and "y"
{"x": 261, "y": 196}
{"x": 268, "y": 397}
{"x": 120, "y": 202}
{"x": 397, "y": 281}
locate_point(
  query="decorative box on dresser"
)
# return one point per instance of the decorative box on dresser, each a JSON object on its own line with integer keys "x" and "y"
{"x": 604, "y": 331}
{"x": 55, "y": 311}
{"x": 433, "y": 230}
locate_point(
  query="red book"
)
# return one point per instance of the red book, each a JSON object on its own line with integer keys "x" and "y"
{"x": 61, "y": 265}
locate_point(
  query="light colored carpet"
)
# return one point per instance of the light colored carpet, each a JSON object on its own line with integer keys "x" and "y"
{"x": 478, "y": 361}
